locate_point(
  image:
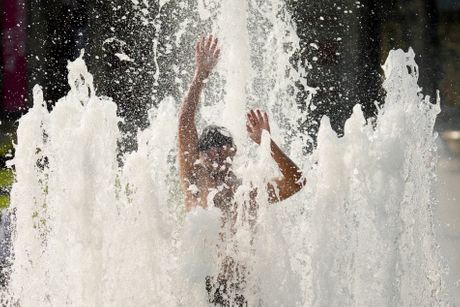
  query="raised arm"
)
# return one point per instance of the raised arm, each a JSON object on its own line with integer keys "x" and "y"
{"x": 206, "y": 56}
{"x": 292, "y": 180}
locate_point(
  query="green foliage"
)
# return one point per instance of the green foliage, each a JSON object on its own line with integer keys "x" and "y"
{"x": 4, "y": 201}
{"x": 6, "y": 178}
{"x": 7, "y": 139}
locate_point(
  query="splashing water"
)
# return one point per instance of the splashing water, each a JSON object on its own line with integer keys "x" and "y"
{"x": 92, "y": 233}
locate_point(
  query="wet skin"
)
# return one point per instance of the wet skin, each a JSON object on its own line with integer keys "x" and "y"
{"x": 202, "y": 171}
{"x": 207, "y": 177}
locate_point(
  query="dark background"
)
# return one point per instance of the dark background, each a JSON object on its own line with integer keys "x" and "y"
{"x": 353, "y": 39}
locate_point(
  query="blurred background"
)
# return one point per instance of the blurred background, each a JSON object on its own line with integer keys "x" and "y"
{"x": 343, "y": 42}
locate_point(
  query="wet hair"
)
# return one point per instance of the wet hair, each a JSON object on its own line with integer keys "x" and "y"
{"x": 214, "y": 136}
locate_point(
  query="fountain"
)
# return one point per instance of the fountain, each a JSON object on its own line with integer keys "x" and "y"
{"x": 90, "y": 232}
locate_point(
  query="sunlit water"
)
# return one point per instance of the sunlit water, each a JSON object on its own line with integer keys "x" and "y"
{"x": 92, "y": 233}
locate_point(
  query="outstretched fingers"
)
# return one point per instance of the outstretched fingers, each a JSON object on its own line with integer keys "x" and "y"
{"x": 258, "y": 120}
{"x": 249, "y": 127}
{"x": 213, "y": 45}
{"x": 216, "y": 53}
{"x": 208, "y": 43}
{"x": 259, "y": 117}
{"x": 267, "y": 123}
{"x": 254, "y": 120}
{"x": 214, "y": 50}
{"x": 250, "y": 120}
{"x": 202, "y": 43}
{"x": 207, "y": 54}
{"x": 199, "y": 44}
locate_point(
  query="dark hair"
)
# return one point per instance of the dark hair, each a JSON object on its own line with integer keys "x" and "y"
{"x": 214, "y": 136}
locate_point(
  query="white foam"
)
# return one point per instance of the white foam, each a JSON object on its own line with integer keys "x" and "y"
{"x": 92, "y": 233}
